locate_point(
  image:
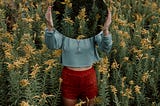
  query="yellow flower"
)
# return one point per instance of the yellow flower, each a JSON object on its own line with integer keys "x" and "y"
{"x": 67, "y": 3}
{"x": 80, "y": 37}
{"x": 50, "y": 62}
{"x": 28, "y": 19}
{"x": 126, "y": 35}
{"x": 25, "y": 8}
{"x": 125, "y": 59}
{"x": 146, "y": 44}
{"x": 23, "y": 103}
{"x": 154, "y": 5}
{"x": 98, "y": 100}
{"x": 137, "y": 89}
{"x": 128, "y": 93}
{"x": 43, "y": 26}
{"x": 145, "y": 77}
{"x": 98, "y": 16}
{"x": 29, "y": 50}
{"x": 7, "y": 46}
{"x": 131, "y": 82}
{"x": 10, "y": 66}
{"x": 123, "y": 34}
{"x": 144, "y": 31}
{"x": 57, "y": 53}
{"x": 134, "y": 50}
{"x": 120, "y": 32}
{"x": 152, "y": 59}
{"x": 147, "y": 3}
{"x": 121, "y": 22}
{"x": 20, "y": 62}
{"x": 8, "y": 55}
{"x": 81, "y": 103}
{"x": 50, "y": 1}
{"x": 139, "y": 56}
{"x": 115, "y": 27}
{"x": 145, "y": 41}
{"x": 30, "y": 25}
{"x": 103, "y": 66}
{"x": 15, "y": 26}
{"x": 113, "y": 89}
{"x": 1, "y": 2}
{"x": 82, "y": 14}
{"x": 43, "y": 50}
{"x": 37, "y": 17}
{"x": 123, "y": 79}
{"x": 138, "y": 18}
{"x": 146, "y": 56}
{"x": 44, "y": 96}
{"x": 115, "y": 65}
{"x": 47, "y": 69}
{"x": 24, "y": 82}
{"x": 139, "y": 53}
{"x": 68, "y": 20}
{"x": 122, "y": 44}
{"x": 159, "y": 11}
{"x": 35, "y": 70}
{"x": 57, "y": 12}
{"x": 26, "y": 38}
{"x": 24, "y": 1}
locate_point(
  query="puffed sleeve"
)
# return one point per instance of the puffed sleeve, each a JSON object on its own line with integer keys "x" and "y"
{"x": 104, "y": 42}
{"x": 53, "y": 39}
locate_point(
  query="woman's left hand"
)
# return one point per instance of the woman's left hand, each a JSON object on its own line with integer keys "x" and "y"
{"x": 107, "y": 23}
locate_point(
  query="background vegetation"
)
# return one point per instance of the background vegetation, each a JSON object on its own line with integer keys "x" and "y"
{"x": 128, "y": 76}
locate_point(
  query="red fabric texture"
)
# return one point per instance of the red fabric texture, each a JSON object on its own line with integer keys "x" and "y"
{"x": 79, "y": 84}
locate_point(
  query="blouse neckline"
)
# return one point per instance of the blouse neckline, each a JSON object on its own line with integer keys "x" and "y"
{"x": 84, "y": 38}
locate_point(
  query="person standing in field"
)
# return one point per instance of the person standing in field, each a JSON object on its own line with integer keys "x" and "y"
{"x": 78, "y": 56}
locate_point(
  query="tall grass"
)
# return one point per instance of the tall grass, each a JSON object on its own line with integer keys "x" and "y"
{"x": 128, "y": 76}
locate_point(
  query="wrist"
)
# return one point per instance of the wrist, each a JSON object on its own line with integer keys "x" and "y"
{"x": 106, "y": 32}
{"x": 50, "y": 28}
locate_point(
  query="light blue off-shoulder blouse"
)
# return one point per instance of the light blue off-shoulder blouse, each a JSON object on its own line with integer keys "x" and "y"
{"x": 78, "y": 53}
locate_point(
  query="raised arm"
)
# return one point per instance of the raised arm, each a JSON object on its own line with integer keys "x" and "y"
{"x": 53, "y": 38}
{"x": 107, "y": 23}
{"x": 49, "y": 19}
{"x": 104, "y": 38}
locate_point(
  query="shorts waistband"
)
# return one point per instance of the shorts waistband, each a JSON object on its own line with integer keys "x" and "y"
{"x": 67, "y": 70}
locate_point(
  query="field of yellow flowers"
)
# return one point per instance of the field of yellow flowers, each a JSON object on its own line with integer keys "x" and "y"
{"x": 30, "y": 73}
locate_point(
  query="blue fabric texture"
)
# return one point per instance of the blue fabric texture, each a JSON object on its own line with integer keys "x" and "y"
{"x": 78, "y": 53}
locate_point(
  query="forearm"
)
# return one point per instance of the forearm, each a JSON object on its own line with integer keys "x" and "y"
{"x": 49, "y": 27}
{"x": 106, "y": 32}
{"x": 49, "y": 20}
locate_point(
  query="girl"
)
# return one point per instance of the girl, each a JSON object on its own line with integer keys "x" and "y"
{"x": 78, "y": 56}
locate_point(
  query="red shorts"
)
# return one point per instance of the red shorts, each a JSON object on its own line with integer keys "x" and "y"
{"x": 79, "y": 84}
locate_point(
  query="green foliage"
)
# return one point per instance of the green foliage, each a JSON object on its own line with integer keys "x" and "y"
{"x": 30, "y": 73}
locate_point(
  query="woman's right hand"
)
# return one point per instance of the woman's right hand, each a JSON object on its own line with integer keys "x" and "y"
{"x": 49, "y": 19}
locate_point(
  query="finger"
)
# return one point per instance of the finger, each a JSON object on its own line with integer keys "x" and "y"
{"x": 48, "y": 12}
{"x": 49, "y": 9}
